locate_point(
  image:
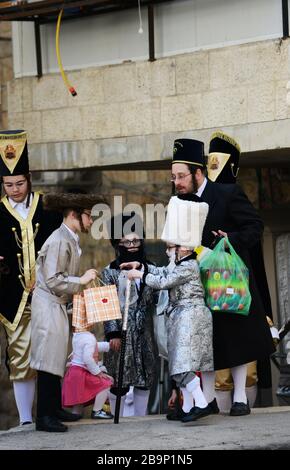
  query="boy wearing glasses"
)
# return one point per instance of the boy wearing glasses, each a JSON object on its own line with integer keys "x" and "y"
{"x": 57, "y": 279}
{"x": 141, "y": 351}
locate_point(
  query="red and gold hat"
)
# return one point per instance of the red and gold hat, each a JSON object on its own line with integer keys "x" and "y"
{"x": 13, "y": 153}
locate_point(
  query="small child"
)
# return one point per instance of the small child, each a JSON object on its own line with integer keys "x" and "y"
{"x": 85, "y": 382}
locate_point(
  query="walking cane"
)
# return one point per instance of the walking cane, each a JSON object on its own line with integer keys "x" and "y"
{"x": 122, "y": 354}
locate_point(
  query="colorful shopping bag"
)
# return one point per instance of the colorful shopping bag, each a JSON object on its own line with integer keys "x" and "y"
{"x": 102, "y": 304}
{"x": 225, "y": 278}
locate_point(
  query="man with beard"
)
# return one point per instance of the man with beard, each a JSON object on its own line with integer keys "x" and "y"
{"x": 127, "y": 238}
{"x": 237, "y": 339}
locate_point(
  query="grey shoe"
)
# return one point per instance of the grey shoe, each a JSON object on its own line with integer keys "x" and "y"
{"x": 101, "y": 414}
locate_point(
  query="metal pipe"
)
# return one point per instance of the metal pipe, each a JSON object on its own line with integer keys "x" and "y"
{"x": 285, "y": 18}
{"x": 38, "y": 48}
{"x": 151, "y": 32}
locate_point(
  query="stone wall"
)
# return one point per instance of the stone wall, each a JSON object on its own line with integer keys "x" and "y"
{"x": 133, "y": 112}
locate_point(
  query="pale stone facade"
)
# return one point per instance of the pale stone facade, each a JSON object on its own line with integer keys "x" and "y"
{"x": 132, "y": 112}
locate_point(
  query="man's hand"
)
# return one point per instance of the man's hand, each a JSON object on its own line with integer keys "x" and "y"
{"x": 89, "y": 276}
{"x": 220, "y": 233}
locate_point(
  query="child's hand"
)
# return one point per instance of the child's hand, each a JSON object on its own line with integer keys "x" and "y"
{"x": 134, "y": 274}
{"x": 131, "y": 265}
{"x": 172, "y": 399}
{"x": 89, "y": 276}
{"x": 115, "y": 344}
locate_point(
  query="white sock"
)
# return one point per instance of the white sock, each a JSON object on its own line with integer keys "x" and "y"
{"x": 251, "y": 393}
{"x": 239, "y": 375}
{"x": 224, "y": 400}
{"x": 208, "y": 385}
{"x": 197, "y": 393}
{"x": 112, "y": 399}
{"x": 187, "y": 400}
{"x": 77, "y": 409}
{"x": 24, "y": 395}
{"x": 141, "y": 398}
{"x": 100, "y": 399}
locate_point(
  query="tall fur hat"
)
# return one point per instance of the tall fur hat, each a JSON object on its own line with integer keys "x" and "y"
{"x": 184, "y": 222}
{"x": 61, "y": 201}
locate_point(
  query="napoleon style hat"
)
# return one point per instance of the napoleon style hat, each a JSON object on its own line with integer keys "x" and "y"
{"x": 13, "y": 153}
{"x": 189, "y": 151}
{"x": 223, "y": 158}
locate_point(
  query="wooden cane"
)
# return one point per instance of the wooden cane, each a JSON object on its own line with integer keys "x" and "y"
{"x": 122, "y": 353}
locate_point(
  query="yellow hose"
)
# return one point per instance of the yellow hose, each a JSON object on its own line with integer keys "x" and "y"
{"x": 63, "y": 74}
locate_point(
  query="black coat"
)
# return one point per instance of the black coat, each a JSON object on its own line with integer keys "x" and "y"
{"x": 12, "y": 295}
{"x": 237, "y": 339}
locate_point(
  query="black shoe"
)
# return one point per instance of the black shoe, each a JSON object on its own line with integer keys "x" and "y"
{"x": 176, "y": 415}
{"x": 196, "y": 413}
{"x": 240, "y": 409}
{"x": 25, "y": 422}
{"x": 101, "y": 414}
{"x": 214, "y": 407}
{"x": 49, "y": 424}
{"x": 63, "y": 415}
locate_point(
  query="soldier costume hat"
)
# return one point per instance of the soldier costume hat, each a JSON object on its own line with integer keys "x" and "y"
{"x": 223, "y": 158}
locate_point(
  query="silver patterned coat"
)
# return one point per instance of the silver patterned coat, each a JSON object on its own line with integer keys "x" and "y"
{"x": 141, "y": 350}
{"x": 189, "y": 321}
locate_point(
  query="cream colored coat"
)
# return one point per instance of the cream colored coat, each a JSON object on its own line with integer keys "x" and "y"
{"x": 57, "y": 269}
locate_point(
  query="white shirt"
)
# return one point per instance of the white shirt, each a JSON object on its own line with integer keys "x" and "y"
{"x": 20, "y": 207}
{"x": 84, "y": 346}
{"x": 201, "y": 188}
{"x": 76, "y": 237}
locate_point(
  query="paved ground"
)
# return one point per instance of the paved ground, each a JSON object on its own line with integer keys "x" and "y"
{"x": 265, "y": 428}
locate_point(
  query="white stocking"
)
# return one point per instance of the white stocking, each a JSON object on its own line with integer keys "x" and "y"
{"x": 100, "y": 399}
{"x": 239, "y": 375}
{"x": 77, "y": 409}
{"x": 187, "y": 400}
{"x": 24, "y": 395}
{"x": 251, "y": 393}
{"x": 197, "y": 393}
{"x": 224, "y": 400}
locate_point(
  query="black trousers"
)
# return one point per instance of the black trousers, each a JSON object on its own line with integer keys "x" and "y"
{"x": 48, "y": 394}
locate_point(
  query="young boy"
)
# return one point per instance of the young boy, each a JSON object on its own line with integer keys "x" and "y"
{"x": 57, "y": 280}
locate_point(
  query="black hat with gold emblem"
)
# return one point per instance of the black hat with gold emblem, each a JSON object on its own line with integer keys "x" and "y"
{"x": 189, "y": 151}
{"x": 13, "y": 153}
{"x": 223, "y": 158}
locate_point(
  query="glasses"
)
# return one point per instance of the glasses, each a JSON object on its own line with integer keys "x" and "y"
{"x": 88, "y": 214}
{"x": 178, "y": 177}
{"x": 128, "y": 243}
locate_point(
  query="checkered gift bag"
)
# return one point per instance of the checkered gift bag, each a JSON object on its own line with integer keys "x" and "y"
{"x": 79, "y": 317}
{"x": 102, "y": 304}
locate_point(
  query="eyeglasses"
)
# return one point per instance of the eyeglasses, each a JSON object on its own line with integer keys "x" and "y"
{"x": 178, "y": 177}
{"x": 88, "y": 214}
{"x": 128, "y": 243}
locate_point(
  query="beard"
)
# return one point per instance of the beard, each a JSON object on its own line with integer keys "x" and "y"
{"x": 126, "y": 256}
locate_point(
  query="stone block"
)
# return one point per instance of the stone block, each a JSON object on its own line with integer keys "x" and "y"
{"x": 15, "y": 121}
{"x": 282, "y": 106}
{"x": 192, "y": 73}
{"x": 163, "y": 77}
{"x": 4, "y": 98}
{"x": 20, "y": 95}
{"x": 5, "y": 49}
{"x": 139, "y": 118}
{"x": 89, "y": 86}
{"x": 32, "y": 124}
{"x": 6, "y": 69}
{"x": 49, "y": 92}
{"x": 224, "y": 107}
{"x": 62, "y": 124}
{"x": 181, "y": 112}
{"x": 101, "y": 121}
{"x": 261, "y": 102}
{"x": 120, "y": 83}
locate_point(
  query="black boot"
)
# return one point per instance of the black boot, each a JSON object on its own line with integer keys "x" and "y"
{"x": 64, "y": 415}
{"x": 49, "y": 424}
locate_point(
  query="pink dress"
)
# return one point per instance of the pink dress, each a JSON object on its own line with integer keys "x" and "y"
{"x": 82, "y": 381}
